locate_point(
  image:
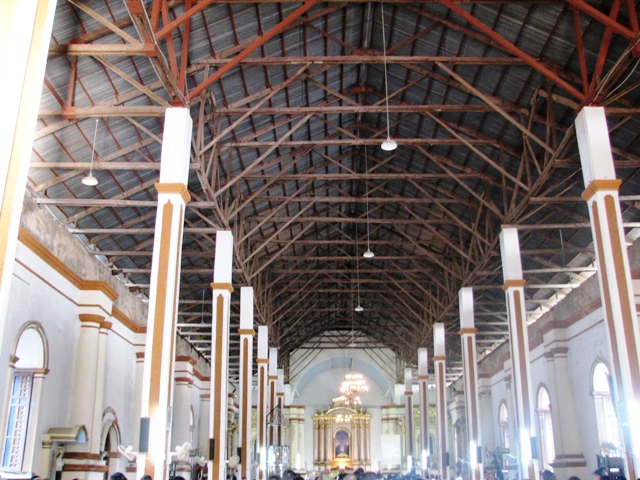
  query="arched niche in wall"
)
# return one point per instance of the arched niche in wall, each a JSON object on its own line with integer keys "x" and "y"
{"x": 29, "y": 362}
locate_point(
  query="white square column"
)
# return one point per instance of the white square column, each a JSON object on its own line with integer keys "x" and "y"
{"x": 247, "y": 333}
{"x": 222, "y": 290}
{"x": 159, "y": 355}
{"x": 470, "y": 376}
{"x": 263, "y": 399}
{"x": 25, "y": 33}
{"x": 519, "y": 343}
{"x": 408, "y": 412}
{"x": 614, "y": 275}
{"x": 423, "y": 392}
{"x": 439, "y": 365}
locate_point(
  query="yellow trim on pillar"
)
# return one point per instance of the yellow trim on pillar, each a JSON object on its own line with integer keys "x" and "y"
{"x": 222, "y": 286}
{"x": 246, "y": 331}
{"x": 179, "y": 188}
{"x": 513, "y": 283}
{"x": 599, "y": 185}
{"x": 439, "y": 358}
{"x": 262, "y": 360}
{"x": 467, "y": 330}
{"x": 106, "y": 326}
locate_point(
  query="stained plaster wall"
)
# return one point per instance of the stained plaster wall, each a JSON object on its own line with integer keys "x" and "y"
{"x": 41, "y": 294}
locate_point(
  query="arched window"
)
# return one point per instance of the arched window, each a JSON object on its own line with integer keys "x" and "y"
{"x": 545, "y": 428}
{"x": 608, "y": 429}
{"x": 503, "y": 422}
{"x": 29, "y": 367}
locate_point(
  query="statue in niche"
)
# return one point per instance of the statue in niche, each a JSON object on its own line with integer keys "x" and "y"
{"x": 341, "y": 440}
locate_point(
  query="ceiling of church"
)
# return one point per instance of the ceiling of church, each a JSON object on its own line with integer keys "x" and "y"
{"x": 289, "y": 103}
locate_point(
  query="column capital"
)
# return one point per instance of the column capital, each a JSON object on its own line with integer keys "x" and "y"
{"x": 556, "y": 352}
{"x": 106, "y": 325}
{"x": 514, "y": 283}
{"x": 599, "y": 185}
{"x": 222, "y": 286}
{"x": 440, "y": 358}
{"x": 91, "y": 318}
{"x": 464, "y": 331}
{"x": 178, "y": 188}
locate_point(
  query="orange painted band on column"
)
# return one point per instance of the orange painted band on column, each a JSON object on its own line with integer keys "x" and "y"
{"x": 628, "y": 317}
{"x": 606, "y": 294}
{"x": 262, "y": 360}
{"x": 179, "y": 188}
{"x": 91, "y": 318}
{"x": 246, "y": 391}
{"x": 222, "y": 286}
{"x": 472, "y": 390}
{"x": 521, "y": 325}
{"x": 246, "y": 331}
{"x": 440, "y": 358}
{"x": 217, "y": 402}
{"x": 174, "y": 317}
{"x": 513, "y": 283}
{"x": 599, "y": 185}
{"x": 106, "y": 326}
{"x": 262, "y": 366}
{"x": 158, "y": 325}
{"x": 424, "y": 421}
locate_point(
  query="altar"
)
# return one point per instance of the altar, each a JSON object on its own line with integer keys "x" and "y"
{"x": 341, "y": 438}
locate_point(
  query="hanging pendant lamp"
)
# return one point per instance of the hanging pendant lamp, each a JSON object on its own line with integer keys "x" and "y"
{"x": 358, "y": 307}
{"x": 368, "y": 253}
{"x": 90, "y": 180}
{"x": 388, "y": 145}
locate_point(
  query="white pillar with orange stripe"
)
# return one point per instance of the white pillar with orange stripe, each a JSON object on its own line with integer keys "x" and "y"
{"x": 423, "y": 392}
{"x": 263, "y": 399}
{"x": 614, "y": 274}
{"x": 519, "y": 343}
{"x": 470, "y": 375}
{"x": 408, "y": 412}
{"x": 246, "y": 370}
{"x": 439, "y": 360}
{"x": 222, "y": 290}
{"x": 273, "y": 379}
{"x": 24, "y": 45}
{"x": 157, "y": 380}
{"x": 280, "y": 405}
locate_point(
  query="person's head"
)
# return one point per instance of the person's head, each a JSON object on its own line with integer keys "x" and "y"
{"x": 146, "y": 477}
{"x": 548, "y": 475}
{"x": 118, "y": 476}
{"x": 179, "y": 477}
{"x": 573, "y": 478}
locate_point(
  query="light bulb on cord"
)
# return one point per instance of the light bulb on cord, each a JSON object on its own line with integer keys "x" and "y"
{"x": 359, "y": 308}
{"x": 388, "y": 145}
{"x": 90, "y": 180}
{"x": 368, "y": 253}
